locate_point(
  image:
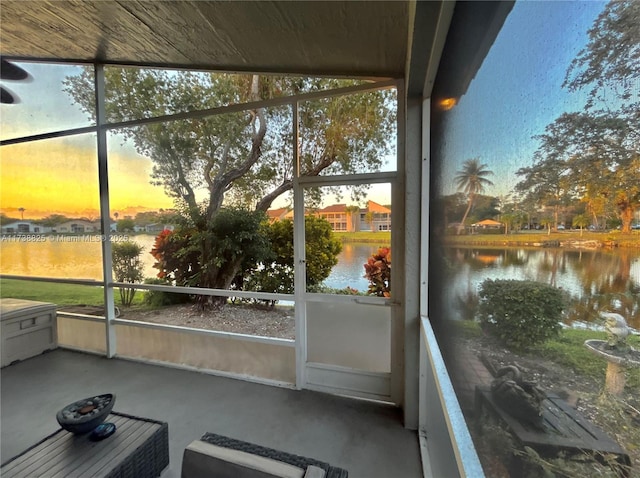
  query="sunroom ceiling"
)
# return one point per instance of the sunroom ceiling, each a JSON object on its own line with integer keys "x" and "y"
{"x": 364, "y": 38}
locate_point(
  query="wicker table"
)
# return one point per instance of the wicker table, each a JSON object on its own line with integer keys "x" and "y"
{"x": 138, "y": 449}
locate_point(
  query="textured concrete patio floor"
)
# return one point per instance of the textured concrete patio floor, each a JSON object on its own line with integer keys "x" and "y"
{"x": 366, "y": 438}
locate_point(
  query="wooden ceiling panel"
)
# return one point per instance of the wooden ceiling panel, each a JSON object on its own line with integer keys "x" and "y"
{"x": 310, "y": 37}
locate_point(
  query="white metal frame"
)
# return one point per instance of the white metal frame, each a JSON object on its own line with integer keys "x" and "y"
{"x": 300, "y": 297}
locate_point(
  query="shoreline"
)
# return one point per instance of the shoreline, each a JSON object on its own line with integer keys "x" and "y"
{"x": 558, "y": 240}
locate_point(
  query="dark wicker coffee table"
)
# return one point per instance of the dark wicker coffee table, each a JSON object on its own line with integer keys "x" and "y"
{"x": 138, "y": 449}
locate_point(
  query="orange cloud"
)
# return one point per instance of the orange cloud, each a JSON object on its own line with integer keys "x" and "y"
{"x": 61, "y": 176}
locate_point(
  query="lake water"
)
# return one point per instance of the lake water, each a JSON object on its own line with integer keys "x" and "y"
{"x": 82, "y": 260}
{"x": 595, "y": 280}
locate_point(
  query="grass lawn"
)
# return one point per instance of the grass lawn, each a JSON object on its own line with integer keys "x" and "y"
{"x": 381, "y": 237}
{"x": 567, "y": 350}
{"x": 59, "y": 294}
{"x": 621, "y": 240}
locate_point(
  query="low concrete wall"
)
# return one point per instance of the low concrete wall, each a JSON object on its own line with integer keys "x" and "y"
{"x": 82, "y": 334}
{"x": 224, "y": 353}
{"x": 250, "y": 357}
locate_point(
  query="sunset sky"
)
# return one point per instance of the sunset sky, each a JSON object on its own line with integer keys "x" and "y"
{"x": 60, "y": 176}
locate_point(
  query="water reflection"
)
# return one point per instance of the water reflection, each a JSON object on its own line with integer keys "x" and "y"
{"x": 83, "y": 260}
{"x": 593, "y": 280}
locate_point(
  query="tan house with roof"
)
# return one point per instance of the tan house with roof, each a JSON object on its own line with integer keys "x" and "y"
{"x": 338, "y": 216}
{"x": 343, "y": 218}
{"x": 279, "y": 214}
{"x": 375, "y": 217}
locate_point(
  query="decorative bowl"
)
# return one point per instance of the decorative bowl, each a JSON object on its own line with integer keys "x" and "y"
{"x": 86, "y": 414}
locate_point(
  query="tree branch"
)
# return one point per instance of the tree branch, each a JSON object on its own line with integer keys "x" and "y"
{"x": 266, "y": 201}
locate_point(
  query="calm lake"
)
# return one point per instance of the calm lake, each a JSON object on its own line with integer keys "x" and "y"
{"x": 595, "y": 280}
{"x": 82, "y": 260}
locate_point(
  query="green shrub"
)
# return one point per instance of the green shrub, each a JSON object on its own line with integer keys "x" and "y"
{"x": 276, "y": 273}
{"x": 160, "y": 298}
{"x": 127, "y": 267}
{"x": 323, "y": 289}
{"x": 520, "y": 314}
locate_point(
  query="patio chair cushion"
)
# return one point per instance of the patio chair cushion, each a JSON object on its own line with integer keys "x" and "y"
{"x": 201, "y": 459}
{"x": 219, "y": 456}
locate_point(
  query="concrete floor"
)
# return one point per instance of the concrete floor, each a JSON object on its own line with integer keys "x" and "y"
{"x": 365, "y": 438}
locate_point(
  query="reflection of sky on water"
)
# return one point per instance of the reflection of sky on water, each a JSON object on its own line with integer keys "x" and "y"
{"x": 583, "y": 274}
{"x": 349, "y": 272}
{"x": 82, "y": 260}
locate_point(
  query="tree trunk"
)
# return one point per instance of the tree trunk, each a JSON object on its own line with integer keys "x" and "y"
{"x": 466, "y": 213}
{"x": 626, "y": 216}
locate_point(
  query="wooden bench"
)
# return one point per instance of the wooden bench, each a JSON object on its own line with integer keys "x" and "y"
{"x": 563, "y": 430}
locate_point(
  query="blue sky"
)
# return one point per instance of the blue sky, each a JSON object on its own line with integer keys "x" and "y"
{"x": 518, "y": 90}
{"x": 514, "y": 95}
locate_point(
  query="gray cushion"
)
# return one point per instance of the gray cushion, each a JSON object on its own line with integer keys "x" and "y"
{"x": 314, "y": 472}
{"x": 203, "y": 460}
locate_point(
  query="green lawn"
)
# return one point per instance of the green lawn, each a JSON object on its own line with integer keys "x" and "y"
{"x": 621, "y": 240}
{"x": 382, "y": 237}
{"x": 60, "y": 294}
{"x": 567, "y": 350}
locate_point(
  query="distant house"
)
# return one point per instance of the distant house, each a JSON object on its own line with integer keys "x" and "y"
{"x": 279, "y": 214}
{"x": 138, "y": 228}
{"x": 24, "y": 227}
{"x": 158, "y": 228}
{"x": 487, "y": 224}
{"x": 345, "y": 218}
{"x": 77, "y": 226}
{"x": 378, "y": 220}
{"x": 338, "y": 217}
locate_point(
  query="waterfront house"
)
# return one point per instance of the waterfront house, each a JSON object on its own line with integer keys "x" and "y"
{"x": 77, "y": 226}
{"x": 338, "y": 216}
{"x": 279, "y": 214}
{"x": 24, "y": 227}
{"x": 375, "y": 217}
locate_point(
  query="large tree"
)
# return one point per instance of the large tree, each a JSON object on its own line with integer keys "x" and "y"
{"x": 595, "y": 154}
{"x": 472, "y": 179}
{"x": 589, "y": 156}
{"x": 546, "y": 182}
{"x": 242, "y": 158}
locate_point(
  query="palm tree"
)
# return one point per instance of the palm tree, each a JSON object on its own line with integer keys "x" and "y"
{"x": 369, "y": 217}
{"x": 581, "y": 221}
{"x": 22, "y": 210}
{"x": 352, "y": 214}
{"x": 471, "y": 180}
{"x": 547, "y": 222}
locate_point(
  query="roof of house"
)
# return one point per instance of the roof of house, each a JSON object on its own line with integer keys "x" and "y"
{"x": 276, "y": 213}
{"x": 375, "y": 207}
{"x": 334, "y": 208}
{"x": 488, "y": 222}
